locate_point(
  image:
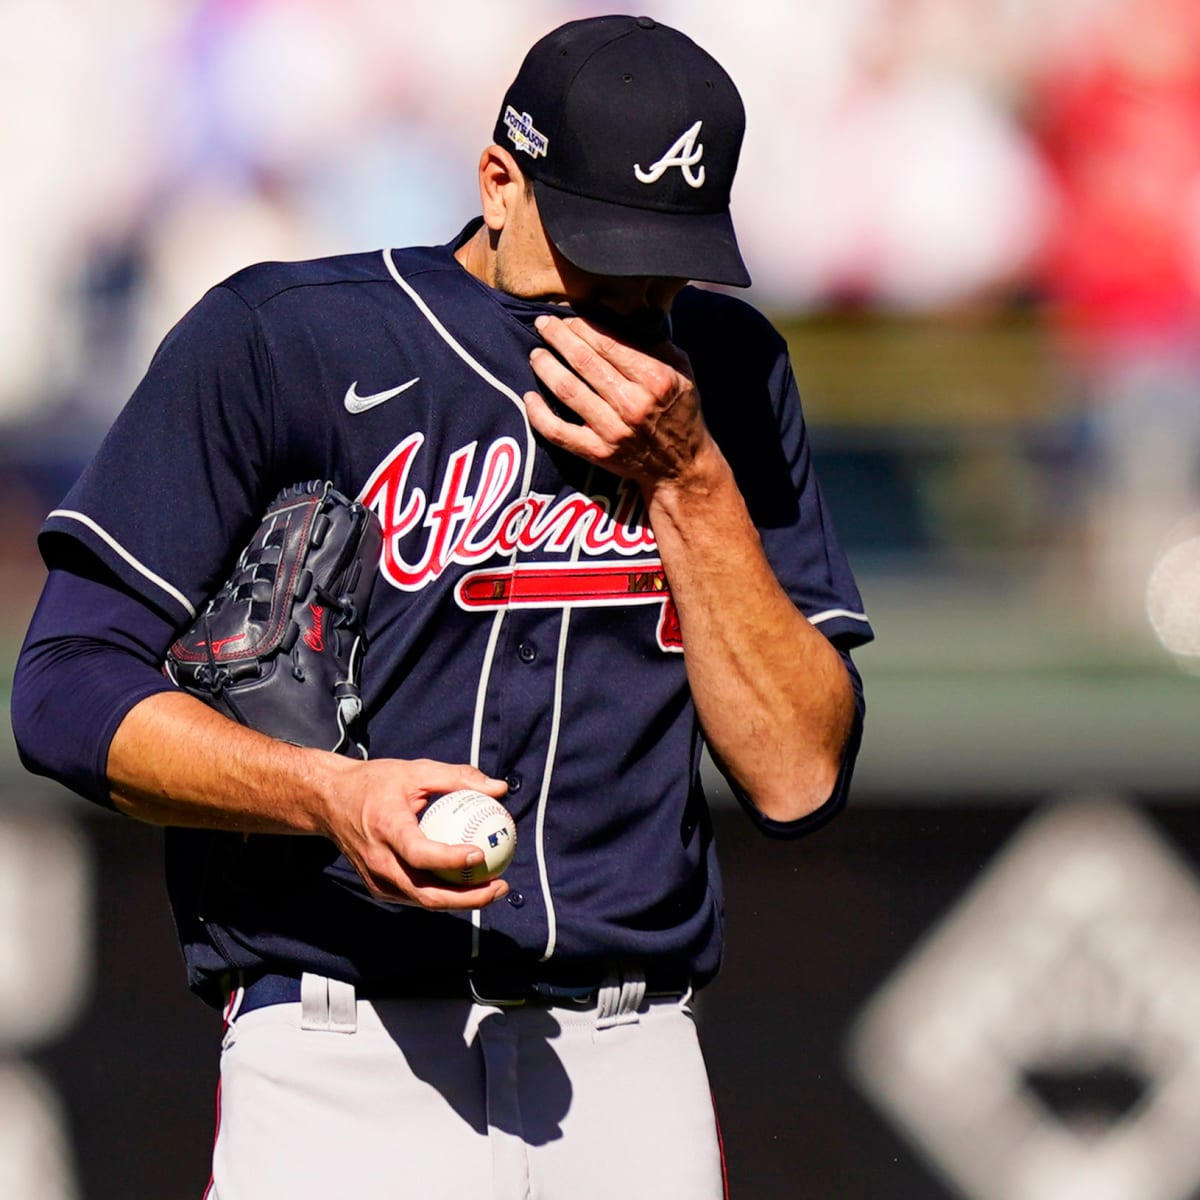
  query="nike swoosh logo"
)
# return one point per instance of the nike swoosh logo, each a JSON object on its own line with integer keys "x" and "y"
{"x": 359, "y": 404}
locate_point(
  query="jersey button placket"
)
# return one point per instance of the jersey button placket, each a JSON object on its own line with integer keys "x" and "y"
{"x": 527, "y": 652}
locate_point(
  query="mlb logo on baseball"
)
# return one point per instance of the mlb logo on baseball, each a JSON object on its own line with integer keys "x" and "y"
{"x": 469, "y": 818}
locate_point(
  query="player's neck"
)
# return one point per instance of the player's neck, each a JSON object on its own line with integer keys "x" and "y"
{"x": 477, "y": 256}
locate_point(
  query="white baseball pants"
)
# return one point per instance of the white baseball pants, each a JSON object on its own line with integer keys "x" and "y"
{"x": 419, "y": 1099}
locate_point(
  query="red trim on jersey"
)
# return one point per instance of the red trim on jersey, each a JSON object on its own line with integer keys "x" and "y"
{"x": 721, "y": 1148}
{"x": 528, "y": 584}
{"x": 235, "y": 998}
{"x": 543, "y": 585}
{"x": 208, "y": 1191}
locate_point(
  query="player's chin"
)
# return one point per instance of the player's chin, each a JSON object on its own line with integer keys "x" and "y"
{"x": 644, "y": 328}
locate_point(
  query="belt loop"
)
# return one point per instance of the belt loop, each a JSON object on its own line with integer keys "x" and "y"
{"x": 327, "y": 1005}
{"x": 236, "y": 984}
{"x": 237, "y": 992}
{"x": 343, "y": 1007}
{"x": 619, "y": 998}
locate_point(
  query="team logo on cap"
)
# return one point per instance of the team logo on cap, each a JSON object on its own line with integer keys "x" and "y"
{"x": 522, "y": 133}
{"x": 684, "y": 153}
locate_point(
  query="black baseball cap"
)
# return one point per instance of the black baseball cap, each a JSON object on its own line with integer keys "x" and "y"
{"x": 630, "y": 134}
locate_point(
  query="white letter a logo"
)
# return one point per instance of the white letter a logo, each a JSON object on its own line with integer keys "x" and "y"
{"x": 684, "y": 154}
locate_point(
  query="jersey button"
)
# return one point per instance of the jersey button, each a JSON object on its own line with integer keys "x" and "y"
{"x": 514, "y": 782}
{"x": 527, "y": 652}
{"x": 515, "y": 899}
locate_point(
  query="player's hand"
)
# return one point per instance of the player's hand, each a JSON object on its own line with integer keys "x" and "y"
{"x": 640, "y": 411}
{"x": 373, "y": 816}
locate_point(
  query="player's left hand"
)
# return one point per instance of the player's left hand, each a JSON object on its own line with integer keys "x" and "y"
{"x": 640, "y": 410}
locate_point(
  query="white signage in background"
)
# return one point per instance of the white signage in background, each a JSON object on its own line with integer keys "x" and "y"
{"x": 36, "y": 1162}
{"x": 45, "y": 968}
{"x": 1043, "y": 1041}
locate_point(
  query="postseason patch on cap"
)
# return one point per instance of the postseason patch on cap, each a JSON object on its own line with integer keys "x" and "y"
{"x": 522, "y": 133}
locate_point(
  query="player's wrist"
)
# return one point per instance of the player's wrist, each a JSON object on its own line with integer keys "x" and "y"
{"x": 704, "y": 481}
{"x": 321, "y": 794}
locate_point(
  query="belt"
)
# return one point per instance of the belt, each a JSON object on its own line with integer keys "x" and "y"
{"x": 485, "y": 985}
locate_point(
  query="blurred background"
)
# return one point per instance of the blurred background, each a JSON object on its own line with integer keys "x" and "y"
{"x": 978, "y": 224}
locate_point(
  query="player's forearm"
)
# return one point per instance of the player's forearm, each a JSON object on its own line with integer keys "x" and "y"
{"x": 772, "y": 694}
{"x": 174, "y": 761}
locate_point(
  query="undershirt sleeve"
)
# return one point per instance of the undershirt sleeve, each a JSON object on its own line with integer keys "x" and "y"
{"x": 93, "y": 650}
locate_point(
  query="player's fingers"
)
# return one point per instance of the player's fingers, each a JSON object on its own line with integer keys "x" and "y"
{"x": 438, "y": 896}
{"x": 593, "y": 407}
{"x": 631, "y": 382}
{"x": 422, "y": 889}
{"x": 675, "y": 358}
{"x": 581, "y": 440}
{"x": 423, "y": 853}
{"x": 592, "y": 354}
{"x": 423, "y": 864}
{"x": 402, "y": 871}
{"x": 652, "y": 366}
{"x": 432, "y": 777}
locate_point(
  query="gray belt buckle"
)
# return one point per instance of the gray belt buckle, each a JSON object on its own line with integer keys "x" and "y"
{"x": 492, "y": 1001}
{"x": 551, "y": 992}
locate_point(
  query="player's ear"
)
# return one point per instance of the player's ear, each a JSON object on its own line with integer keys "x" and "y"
{"x": 501, "y": 185}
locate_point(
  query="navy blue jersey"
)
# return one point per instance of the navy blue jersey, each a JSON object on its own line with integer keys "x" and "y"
{"x": 521, "y": 622}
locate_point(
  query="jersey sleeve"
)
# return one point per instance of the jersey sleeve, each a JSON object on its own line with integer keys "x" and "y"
{"x": 752, "y": 405}
{"x": 186, "y": 468}
{"x": 800, "y": 538}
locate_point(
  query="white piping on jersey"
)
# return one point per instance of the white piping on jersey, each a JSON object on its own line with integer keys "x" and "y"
{"x": 477, "y": 735}
{"x": 504, "y": 390}
{"x": 117, "y": 548}
{"x": 829, "y": 614}
{"x": 462, "y": 353}
{"x": 555, "y": 725}
{"x": 488, "y": 658}
{"x": 494, "y": 635}
{"x": 560, "y": 666}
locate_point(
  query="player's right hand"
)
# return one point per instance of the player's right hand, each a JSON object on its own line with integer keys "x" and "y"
{"x": 372, "y": 810}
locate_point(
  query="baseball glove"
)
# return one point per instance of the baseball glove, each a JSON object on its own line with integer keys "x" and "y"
{"x": 279, "y": 648}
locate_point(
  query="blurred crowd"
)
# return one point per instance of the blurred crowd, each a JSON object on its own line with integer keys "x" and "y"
{"x": 911, "y": 157}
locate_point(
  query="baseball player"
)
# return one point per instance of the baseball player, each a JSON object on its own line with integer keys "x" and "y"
{"x": 602, "y": 543}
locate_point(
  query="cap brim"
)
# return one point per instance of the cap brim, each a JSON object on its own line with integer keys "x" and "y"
{"x": 615, "y": 239}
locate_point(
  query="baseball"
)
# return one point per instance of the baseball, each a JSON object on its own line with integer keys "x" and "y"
{"x": 468, "y": 818}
